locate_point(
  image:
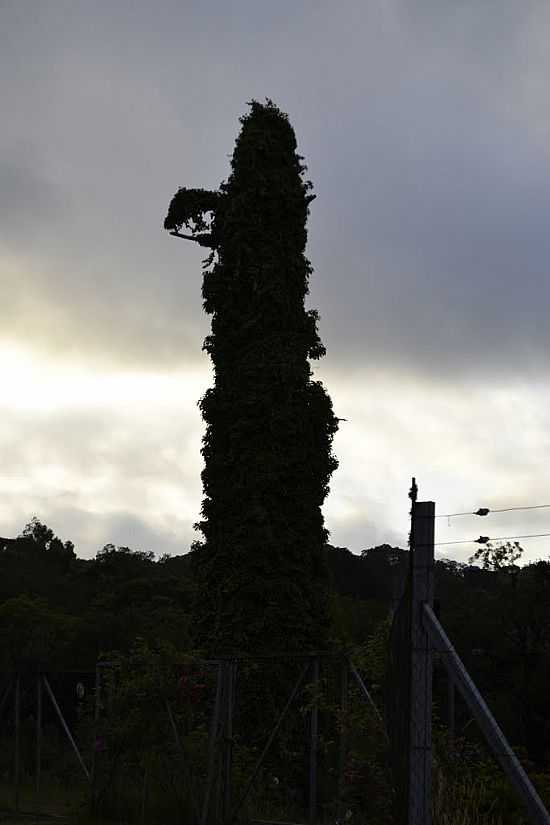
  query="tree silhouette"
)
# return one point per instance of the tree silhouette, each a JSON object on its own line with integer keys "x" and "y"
{"x": 261, "y": 568}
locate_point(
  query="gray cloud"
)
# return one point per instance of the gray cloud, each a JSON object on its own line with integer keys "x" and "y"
{"x": 91, "y": 531}
{"x": 426, "y": 135}
{"x": 104, "y": 475}
{"x": 423, "y": 138}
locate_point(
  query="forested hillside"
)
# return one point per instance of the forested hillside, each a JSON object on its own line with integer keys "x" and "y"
{"x": 64, "y": 612}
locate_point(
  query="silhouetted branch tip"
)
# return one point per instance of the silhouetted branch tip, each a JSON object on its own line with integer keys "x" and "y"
{"x": 203, "y": 239}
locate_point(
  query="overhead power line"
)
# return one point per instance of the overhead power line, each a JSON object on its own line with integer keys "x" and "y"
{"x": 484, "y": 511}
{"x": 486, "y": 539}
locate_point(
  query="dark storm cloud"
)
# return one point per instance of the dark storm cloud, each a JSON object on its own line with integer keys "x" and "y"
{"x": 452, "y": 267}
{"x": 424, "y": 131}
{"x": 432, "y": 215}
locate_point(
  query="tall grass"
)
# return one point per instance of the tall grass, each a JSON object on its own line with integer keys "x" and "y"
{"x": 460, "y": 802}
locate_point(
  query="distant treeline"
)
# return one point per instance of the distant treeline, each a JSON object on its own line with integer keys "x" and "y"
{"x": 64, "y": 612}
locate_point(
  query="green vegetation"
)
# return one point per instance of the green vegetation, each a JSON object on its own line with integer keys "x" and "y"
{"x": 136, "y": 611}
{"x": 267, "y": 449}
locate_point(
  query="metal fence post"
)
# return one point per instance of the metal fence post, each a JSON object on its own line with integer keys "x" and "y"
{"x": 95, "y": 731}
{"x": 17, "y": 756}
{"x": 214, "y": 722}
{"x": 230, "y": 684}
{"x": 420, "y": 742}
{"x": 220, "y": 773}
{"x": 344, "y": 721}
{"x": 451, "y": 710}
{"x": 38, "y": 731}
{"x": 313, "y": 745}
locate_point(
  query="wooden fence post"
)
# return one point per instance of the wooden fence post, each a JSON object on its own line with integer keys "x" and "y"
{"x": 420, "y": 742}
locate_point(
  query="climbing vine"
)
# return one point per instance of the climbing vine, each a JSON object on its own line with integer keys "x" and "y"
{"x": 261, "y": 566}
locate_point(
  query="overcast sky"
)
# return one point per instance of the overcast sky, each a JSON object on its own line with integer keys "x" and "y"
{"x": 425, "y": 127}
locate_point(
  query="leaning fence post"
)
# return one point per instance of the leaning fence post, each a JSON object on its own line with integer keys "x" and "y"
{"x": 65, "y": 726}
{"x": 420, "y": 742}
{"x": 502, "y": 751}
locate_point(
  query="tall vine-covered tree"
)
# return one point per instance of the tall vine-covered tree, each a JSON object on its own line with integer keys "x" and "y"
{"x": 261, "y": 567}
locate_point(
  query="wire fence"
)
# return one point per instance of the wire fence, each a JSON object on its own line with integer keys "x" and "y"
{"x": 416, "y": 634}
{"x": 397, "y": 699}
{"x": 224, "y": 741}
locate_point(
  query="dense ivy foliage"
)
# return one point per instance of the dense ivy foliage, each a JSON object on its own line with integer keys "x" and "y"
{"x": 261, "y": 569}
{"x": 189, "y": 207}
